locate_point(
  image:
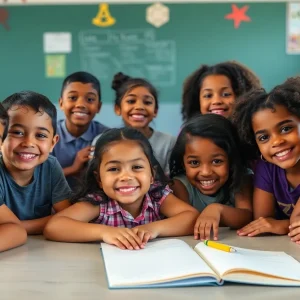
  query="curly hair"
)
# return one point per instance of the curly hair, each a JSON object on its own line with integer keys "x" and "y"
{"x": 90, "y": 183}
{"x": 242, "y": 80}
{"x": 286, "y": 94}
{"x": 223, "y": 133}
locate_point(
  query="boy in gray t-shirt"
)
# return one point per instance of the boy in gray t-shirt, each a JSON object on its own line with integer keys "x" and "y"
{"x": 31, "y": 181}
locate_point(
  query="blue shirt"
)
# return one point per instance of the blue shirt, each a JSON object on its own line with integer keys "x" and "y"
{"x": 36, "y": 199}
{"x": 68, "y": 145}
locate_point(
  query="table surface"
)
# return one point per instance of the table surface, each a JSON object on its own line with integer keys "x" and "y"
{"x": 49, "y": 270}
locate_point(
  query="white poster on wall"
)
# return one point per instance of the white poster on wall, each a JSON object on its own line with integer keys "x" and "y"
{"x": 57, "y": 42}
{"x": 293, "y": 28}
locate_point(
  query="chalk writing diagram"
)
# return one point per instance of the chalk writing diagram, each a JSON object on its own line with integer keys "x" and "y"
{"x": 136, "y": 52}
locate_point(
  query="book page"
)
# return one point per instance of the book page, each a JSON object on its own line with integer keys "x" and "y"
{"x": 160, "y": 261}
{"x": 272, "y": 263}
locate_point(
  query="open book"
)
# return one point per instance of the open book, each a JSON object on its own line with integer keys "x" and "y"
{"x": 172, "y": 262}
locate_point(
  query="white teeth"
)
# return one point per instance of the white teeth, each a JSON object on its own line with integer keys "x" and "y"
{"x": 283, "y": 153}
{"x": 27, "y": 156}
{"x": 126, "y": 190}
{"x": 139, "y": 117}
{"x": 217, "y": 111}
{"x": 207, "y": 182}
{"x": 79, "y": 114}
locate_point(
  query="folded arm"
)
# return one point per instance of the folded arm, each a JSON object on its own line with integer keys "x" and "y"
{"x": 36, "y": 226}
{"x": 295, "y": 224}
{"x": 217, "y": 214}
{"x": 72, "y": 225}
{"x": 180, "y": 219}
{"x": 264, "y": 216}
{"x": 12, "y": 234}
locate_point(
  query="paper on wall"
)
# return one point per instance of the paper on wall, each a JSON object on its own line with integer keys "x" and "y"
{"x": 55, "y": 66}
{"x": 293, "y": 28}
{"x": 57, "y": 42}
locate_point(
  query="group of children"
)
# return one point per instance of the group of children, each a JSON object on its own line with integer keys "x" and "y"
{"x": 235, "y": 162}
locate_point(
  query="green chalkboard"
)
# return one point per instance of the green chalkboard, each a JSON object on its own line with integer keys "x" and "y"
{"x": 195, "y": 34}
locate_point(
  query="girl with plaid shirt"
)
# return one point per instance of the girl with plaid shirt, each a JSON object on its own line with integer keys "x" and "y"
{"x": 125, "y": 199}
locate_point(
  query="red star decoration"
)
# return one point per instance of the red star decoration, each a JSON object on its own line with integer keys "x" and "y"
{"x": 238, "y": 15}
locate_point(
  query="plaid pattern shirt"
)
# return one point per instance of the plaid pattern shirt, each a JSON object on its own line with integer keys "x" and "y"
{"x": 112, "y": 214}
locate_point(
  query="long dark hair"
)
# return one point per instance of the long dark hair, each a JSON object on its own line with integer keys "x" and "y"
{"x": 90, "y": 183}
{"x": 223, "y": 133}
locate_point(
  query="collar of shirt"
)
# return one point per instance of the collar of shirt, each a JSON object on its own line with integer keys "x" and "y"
{"x": 87, "y": 136}
{"x": 113, "y": 208}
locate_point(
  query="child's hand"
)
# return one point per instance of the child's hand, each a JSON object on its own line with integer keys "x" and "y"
{"x": 123, "y": 238}
{"x": 143, "y": 233}
{"x": 208, "y": 220}
{"x": 295, "y": 230}
{"x": 262, "y": 225}
{"x": 82, "y": 157}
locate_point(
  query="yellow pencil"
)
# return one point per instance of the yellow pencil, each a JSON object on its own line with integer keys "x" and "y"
{"x": 219, "y": 246}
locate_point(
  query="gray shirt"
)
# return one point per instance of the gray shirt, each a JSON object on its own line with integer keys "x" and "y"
{"x": 162, "y": 145}
{"x": 201, "y": 201}
{"x": 35, "y": 200}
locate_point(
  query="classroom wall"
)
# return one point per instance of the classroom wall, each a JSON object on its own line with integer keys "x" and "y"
{"x": 196, "y": 33}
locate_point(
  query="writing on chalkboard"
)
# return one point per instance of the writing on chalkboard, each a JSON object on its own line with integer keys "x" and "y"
{"x": 136, "y": 52}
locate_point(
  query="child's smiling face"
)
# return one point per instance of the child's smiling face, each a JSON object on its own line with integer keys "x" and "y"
{"x": 80, "y": 103}
{"x": 29, "y": 140}
{"x": 137, "y": 108}
{"x": 277, "y": 136}
{"x": 216, "y": 95}
{"x": 206, "y": 165}
{"x": 125, "y": 174}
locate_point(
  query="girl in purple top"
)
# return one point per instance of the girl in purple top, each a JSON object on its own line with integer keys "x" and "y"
{"x": 126, "y": 193}
{"x": 269, "y": 123}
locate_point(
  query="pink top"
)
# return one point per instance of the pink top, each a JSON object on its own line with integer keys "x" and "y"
{"x": 112, "y": 214}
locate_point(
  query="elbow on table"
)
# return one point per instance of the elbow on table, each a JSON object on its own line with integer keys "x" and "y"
{"x": 50, "y": 230}
{"x": 22, "y": 234}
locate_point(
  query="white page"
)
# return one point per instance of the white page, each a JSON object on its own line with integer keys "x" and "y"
{"x": 158, "y": 261}
{"x": 57, "y": 42}
{"x": 268, "y": 262}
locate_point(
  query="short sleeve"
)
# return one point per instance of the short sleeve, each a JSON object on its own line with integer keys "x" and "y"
{"x": 60, "y": 187}
{"x": 165, "y": 192}
{"x": 262, "y": 177}
{"x": 158, "y": 192}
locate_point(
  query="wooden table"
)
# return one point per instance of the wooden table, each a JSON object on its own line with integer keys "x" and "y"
{"x": 48, "y": 270}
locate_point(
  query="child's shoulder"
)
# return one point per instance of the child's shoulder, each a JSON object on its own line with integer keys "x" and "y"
{"x": 49, "y": 164}
{"x": 165, "y": 138}
{"x": 98, "y": 127}
{"x": 158, "y": 191}
{"x": 266, "y": 167}
{"x": 183, "y": 179}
